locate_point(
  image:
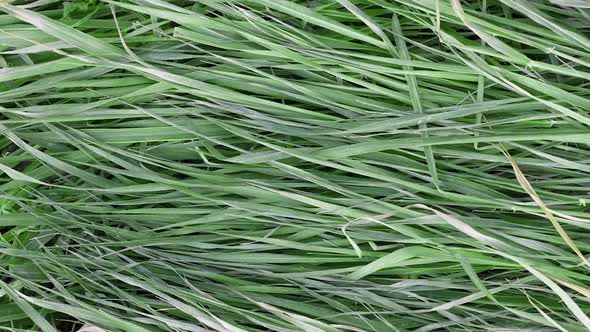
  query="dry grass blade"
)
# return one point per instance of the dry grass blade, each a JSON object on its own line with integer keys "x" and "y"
{"x": 522, "y": 180}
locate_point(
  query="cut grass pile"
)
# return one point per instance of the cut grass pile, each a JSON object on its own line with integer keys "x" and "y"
{"x": 274, "y": 165}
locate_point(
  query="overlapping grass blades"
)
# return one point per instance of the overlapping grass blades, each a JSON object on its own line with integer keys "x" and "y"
{"x": 329, "y": 165}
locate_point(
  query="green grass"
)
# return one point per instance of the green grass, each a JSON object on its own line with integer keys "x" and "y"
{"x": 274, "y": 165}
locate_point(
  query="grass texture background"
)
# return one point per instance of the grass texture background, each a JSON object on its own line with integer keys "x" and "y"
{"x": 275, "y": 165}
